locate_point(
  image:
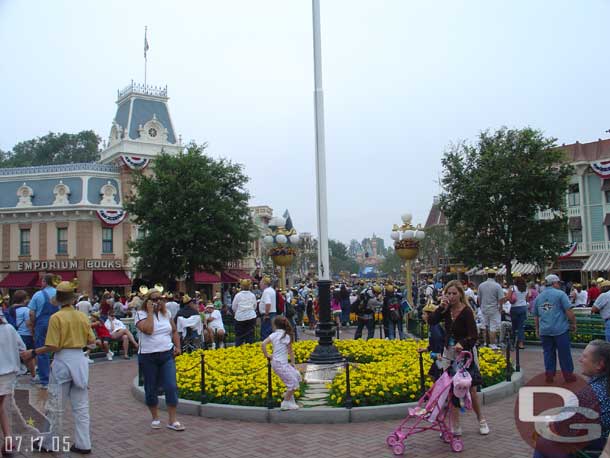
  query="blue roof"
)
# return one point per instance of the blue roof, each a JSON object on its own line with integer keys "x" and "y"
{"x": 143, "y": 111}
{"x": 43, "y": 191}
{"x": 43, "y": 169}
{"x": 95, "y": 184}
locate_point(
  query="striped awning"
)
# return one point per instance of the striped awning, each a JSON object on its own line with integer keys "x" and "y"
{"x": 523, "y": 268}
{"x": 597, "y": 262}
{"x": 472, "y": 271}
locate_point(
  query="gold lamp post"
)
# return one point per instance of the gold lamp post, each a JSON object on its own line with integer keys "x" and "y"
{"x": 406, "y": 244}
{"x": 282, "y": 244}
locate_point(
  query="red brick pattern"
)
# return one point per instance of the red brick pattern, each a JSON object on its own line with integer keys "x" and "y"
{"x": 121, "y": 428}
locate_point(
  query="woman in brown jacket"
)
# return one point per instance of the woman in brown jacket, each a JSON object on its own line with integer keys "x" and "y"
{"x": 460, "y": 334}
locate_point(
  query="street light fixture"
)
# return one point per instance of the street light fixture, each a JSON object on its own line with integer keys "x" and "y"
{"x": 406, "y": 244}
{"x": 282, "y": 243}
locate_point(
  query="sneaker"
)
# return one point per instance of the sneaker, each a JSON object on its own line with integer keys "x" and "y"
{"x": 109, "y": 355}
{"x": 494, "y": 347}
{"x": 285, "y": 405}
{"x": 22, "y": 370}
{"x": 457, "y": 431}
{"x": 483, "y": 427}
{"x": 44, "y": 387}
{"x": 90, "y": 361}
{"x": 35, "y": 380}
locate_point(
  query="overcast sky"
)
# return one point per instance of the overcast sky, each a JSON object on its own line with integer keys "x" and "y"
{"x": 402, "y": 80}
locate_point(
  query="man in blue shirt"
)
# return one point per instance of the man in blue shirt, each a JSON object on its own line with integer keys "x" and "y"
{"x": 554, "y": 320}
{"x": 41, "y": 309}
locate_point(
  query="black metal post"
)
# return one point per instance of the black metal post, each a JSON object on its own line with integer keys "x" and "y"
{"x": 517, "y": 359}
{"x": 325, "y": 352}
{"x": 508, "y": 366}
{"x": 422, "y": 378}
{"x": 203, "y": 394}
{"x": 140, "y": 374}
{"x": 348, "y": 391}
{"x": 421, "y": 328}
{"x": 269, "y": 386}
{"x": 380, "y": 327}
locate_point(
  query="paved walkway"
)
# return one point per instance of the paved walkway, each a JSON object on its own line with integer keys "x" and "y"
{"x": 120, "y": 427}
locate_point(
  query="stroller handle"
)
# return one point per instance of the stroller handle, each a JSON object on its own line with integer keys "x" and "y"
{"x": 464, "y": 355}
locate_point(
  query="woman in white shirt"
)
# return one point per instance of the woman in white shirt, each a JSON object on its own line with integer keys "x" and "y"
{"x": 159, "y": 345}
{"x": 244, "y": 311}
{"x": 12, "y": 346}
{"x": 118, "y": 331}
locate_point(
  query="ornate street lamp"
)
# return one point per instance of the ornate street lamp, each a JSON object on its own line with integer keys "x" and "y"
{"x": 406, "y": 244}
{"x": 282, "y": 243}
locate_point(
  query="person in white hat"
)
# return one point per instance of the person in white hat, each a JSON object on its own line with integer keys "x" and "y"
{"x": 490, "y": 298}
{"x": 554, "y": 319}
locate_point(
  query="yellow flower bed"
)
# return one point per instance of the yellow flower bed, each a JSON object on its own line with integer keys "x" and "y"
{"x": 234, "y": 375}
{"x": 388, "y": 372}
{"x": 385, "y": 372}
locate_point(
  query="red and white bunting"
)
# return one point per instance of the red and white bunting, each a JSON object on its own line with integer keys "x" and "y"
{"x": 135, "y": 162}
{"x": 601, "y": 168}
{"x": 111, "y": 217}
{"x": 569, "y": 252}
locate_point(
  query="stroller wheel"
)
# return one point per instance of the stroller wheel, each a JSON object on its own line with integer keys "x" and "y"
{"x": 447, "y": 437}
{"x": 398, "y": 449}
{"x": 457, "y": 445}
{"x": 392, "y": 440}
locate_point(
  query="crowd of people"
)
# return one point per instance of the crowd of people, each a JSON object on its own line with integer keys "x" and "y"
{"x": 459, "y": 318}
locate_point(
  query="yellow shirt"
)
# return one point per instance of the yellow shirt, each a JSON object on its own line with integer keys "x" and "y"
{"x": 69, "y": 328}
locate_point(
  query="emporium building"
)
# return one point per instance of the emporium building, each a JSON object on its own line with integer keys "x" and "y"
{"x": 69, "y": 219}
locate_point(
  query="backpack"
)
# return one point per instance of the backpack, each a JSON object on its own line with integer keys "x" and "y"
{"x": 11, "y": 317}
{"x": 290, "y": 310}
{"x": 279, "y": 302}
{"x": 394, "y": 308}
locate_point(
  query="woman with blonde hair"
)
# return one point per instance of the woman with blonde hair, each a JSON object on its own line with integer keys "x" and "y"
{"x": 159, "y": 345}
{"x": 460, "y": 335}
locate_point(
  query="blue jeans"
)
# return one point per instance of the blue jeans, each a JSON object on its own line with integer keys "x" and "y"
{"x": 266, "y": 328}
{"x": 370, "y": 327}
{"x": 345, "y": 306}
{"x": 43, "y": 361}
{"x": 554, "y": 346}
{"x": 518, "y": 315}
{"x": 392, "y": 325}
{"x": 607, "y": 330}
{"x": 159, "y": 369}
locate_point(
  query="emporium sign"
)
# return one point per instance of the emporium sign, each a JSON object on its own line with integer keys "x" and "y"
{"x": 68, "y": 264}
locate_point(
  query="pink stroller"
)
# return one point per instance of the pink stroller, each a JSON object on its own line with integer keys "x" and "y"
{"x": 434, "y": 409}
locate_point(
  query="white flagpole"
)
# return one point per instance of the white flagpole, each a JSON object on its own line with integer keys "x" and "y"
{"x": 145, "y": 49}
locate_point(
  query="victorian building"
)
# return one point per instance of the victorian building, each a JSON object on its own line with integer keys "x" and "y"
{"x": 69, "y": 219}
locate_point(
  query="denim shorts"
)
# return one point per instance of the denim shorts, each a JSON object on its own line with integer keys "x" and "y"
{"x": 159, "y": 370}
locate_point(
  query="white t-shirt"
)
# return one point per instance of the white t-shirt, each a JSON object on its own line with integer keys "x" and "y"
{"x": 161, "y": 338}
{"x": 173, "y": 308}
{"x": 118, "y": 324}
{"x": 216, "y": 322}
{"x": 244, "y": 306}
{"x": 268, "y": 297}
{"x": 280, "y": 342}
{"x": 84, "y": 306}
{"x": 11, "y": 345}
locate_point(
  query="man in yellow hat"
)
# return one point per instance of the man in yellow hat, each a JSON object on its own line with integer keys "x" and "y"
{"x": 68, "y": 332}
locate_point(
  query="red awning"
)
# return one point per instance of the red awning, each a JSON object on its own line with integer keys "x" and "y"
{"x": 242, "y": 275}
{"x": 19, "y": 280}
{"x": 66, "y": 275}
{"x": 227, "y": 277}
{"x": 110, "y": 278}
{"x": 206, "y": 278}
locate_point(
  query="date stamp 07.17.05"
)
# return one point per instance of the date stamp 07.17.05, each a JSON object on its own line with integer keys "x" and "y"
{"x": 28, "y": 443}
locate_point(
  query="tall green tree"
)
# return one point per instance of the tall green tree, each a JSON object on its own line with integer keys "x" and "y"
{"x": 194, "y": 214}
{"x": 339, "y": 259}
{"x": 493, "y": 191}
{"x": 54, "y": 148}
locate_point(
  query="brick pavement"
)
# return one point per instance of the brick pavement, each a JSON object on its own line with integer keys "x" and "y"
{"x": 121, "y": 428}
